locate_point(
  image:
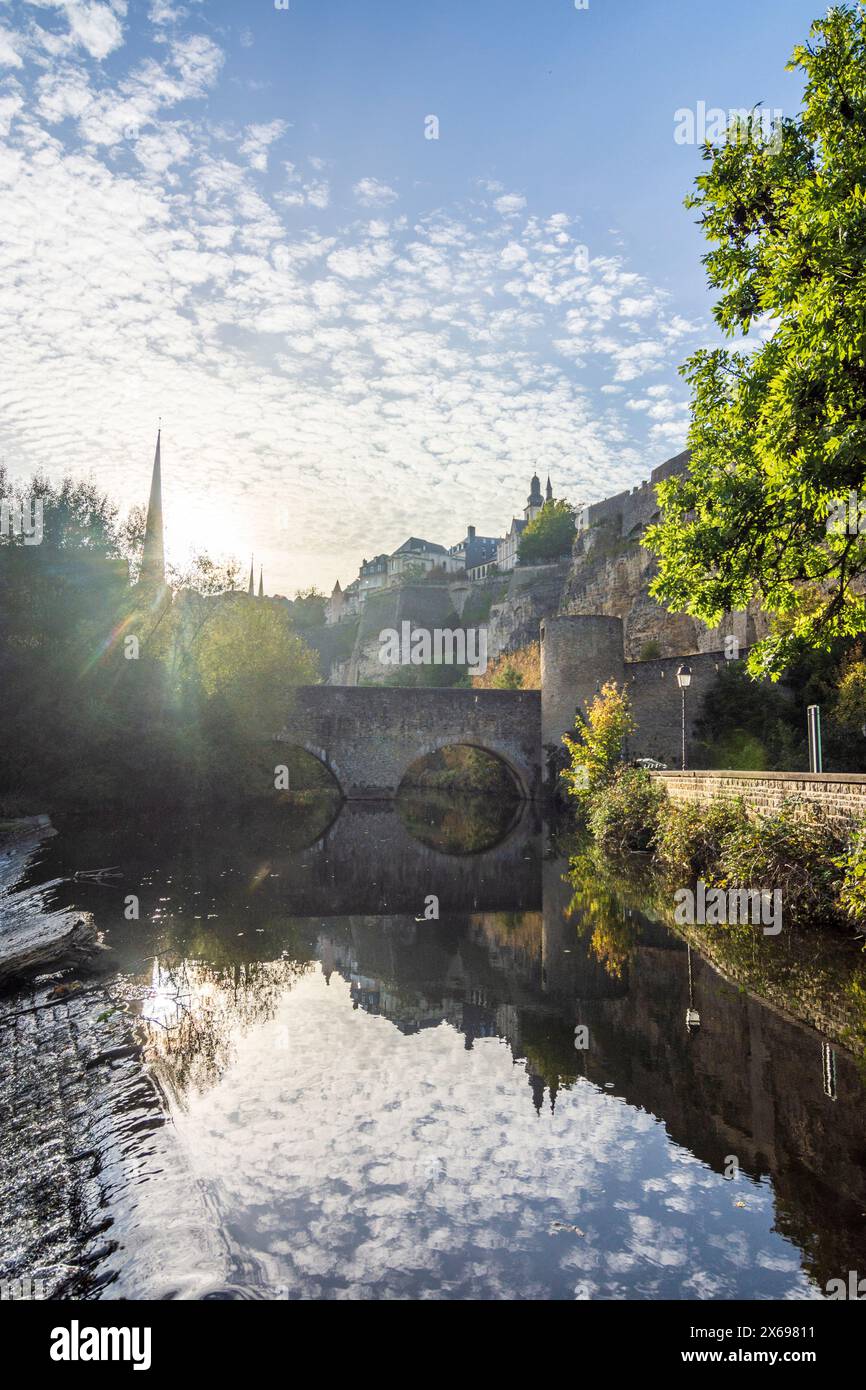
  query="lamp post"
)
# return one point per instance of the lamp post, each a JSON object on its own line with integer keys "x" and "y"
{"x": 684, "y": 680}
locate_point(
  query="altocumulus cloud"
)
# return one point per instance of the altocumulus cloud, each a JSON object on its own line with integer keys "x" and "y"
{"x": 335, "y": 369}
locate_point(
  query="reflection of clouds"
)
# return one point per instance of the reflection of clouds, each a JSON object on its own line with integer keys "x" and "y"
{"x": 359, "y": 1162}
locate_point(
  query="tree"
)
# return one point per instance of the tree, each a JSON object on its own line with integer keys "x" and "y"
{"x": 596, "y": 756}
{"x": 308, "y": 608}
{"x": 778, "y": 434}
{"x": 549, "y": 535}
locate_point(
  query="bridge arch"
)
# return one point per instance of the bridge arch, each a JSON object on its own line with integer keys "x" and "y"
{"x": 321, "y": 755}
{"x": 438, "y": 745}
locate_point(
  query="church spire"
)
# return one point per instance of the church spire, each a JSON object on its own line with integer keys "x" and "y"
{"x": 153, "y": 554}
{"x": 261, "y": 582}
{"x": 252, "y": 588}
{"x": 549, "y": 490}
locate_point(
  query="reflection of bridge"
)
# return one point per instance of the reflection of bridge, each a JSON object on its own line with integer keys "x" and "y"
{"x": 368, "y": 864}
{"x": 369, "y": 736}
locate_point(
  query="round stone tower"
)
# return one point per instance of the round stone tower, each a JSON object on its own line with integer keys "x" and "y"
{"x": 578, "y": 654}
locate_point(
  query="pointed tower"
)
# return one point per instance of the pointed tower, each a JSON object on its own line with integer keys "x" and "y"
{"x": 153, "y": 555}
{"x": 548, "y": 491}
{"x": 534, "y": 501}
{"x": 261, "y": 582}
{"x": 252, "y": 586}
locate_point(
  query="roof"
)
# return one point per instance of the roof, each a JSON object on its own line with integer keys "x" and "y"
{"x": 415, "y": 545}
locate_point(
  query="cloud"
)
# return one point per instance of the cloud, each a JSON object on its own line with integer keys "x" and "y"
{"x": 92, "y": 26}
{"x": 371, "y": 193}
{"x": 257, "y": 139}
{"x": 510, "y": 204}
{"x": 10, "y": 56}
{"x": 434, "y": 359}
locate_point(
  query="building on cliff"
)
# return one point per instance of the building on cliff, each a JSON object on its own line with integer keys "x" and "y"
{"x": 508, "y": 548}
{"x": 472, "y": 558}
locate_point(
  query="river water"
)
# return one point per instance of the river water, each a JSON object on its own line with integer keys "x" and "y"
{"x": 364, "y": 1100}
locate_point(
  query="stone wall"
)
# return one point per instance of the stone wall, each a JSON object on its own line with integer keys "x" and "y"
{"x": 579, "y": 654}
{"x": 656, "y": 702}
{"x": 841, "y": 795}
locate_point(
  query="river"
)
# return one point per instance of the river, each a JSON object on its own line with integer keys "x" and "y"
{"x": 332, "y": 1092}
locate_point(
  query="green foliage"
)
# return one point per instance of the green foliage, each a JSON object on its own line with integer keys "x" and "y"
{"x": 749, "y": 726}
{"x": 690, "y": 836}
{"x": 795, "y": 849}
{"x": 597, "y": 751}
{"x": 779, "y": 433}
{"x": 624, "y": 814}
{"x": 650, "y": 651}
{"x": 849, "y": 706}
{"x": 852, "y": 892}
{"x": 109, "y": 699}
{"x": 549, "y": 536}
{"x": 308, "y": 609}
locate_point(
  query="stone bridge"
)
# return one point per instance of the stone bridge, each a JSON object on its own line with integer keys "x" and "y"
{"x": 369, "y": 736}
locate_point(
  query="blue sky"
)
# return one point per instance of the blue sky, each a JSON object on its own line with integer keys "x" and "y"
{"x": 228, "y": 215}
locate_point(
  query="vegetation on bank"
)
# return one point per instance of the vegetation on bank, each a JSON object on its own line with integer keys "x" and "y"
{"x": 112, "y": 697}
{"x": 820, "y": 871}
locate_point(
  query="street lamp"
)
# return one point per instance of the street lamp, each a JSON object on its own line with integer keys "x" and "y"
{"x": 684, "y": 680}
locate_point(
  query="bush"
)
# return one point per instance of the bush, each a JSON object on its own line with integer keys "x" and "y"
{"x": 625, "y": 814}
{"x": 795, "y": 849}
{"x": 852, "y": 893}
{"x": 690, "y": 836}
{"x": 518, "y": 670}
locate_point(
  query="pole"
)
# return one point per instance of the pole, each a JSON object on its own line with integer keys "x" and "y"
{"x": 683, "y": 693}
{"x": 816, "y": 759}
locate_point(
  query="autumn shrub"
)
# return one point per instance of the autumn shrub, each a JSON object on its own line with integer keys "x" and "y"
{"x": 624, "y": 814}
{"x": 595, "y": 753}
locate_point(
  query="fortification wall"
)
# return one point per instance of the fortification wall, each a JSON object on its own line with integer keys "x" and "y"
{"x": 580, "y": 653}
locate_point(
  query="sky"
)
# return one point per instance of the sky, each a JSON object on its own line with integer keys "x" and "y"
{"x": 370, "y": 265}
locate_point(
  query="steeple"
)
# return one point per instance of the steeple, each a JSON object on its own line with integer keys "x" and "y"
{"x": 548, "y": 492}
{"x": 153, "y": 554}
{"x": 252, "y": 588}
{"x": 261, "y": 582}
{"x": 534, "y": 501}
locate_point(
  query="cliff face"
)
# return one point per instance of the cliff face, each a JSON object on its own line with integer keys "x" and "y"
{"x": 610, "y": 576}
{"x": 533, "y": 593}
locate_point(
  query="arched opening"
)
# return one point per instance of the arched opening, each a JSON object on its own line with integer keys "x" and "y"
{"x": 459, "y": 799}
{"x": 307, "y": 791}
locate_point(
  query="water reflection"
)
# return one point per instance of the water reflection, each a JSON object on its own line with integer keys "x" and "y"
{"x": 377, "y": 1105}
